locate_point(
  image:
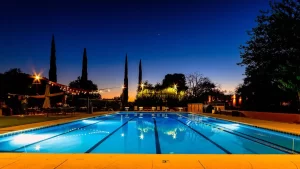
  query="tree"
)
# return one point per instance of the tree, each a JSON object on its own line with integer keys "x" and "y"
{"x": 158, "y": 87}
{"x": 140, "y": 77}
{"x": 178, "y": 80}
{"x": 77, "y": 84}
{"x": 259, "y": 93}
{"x": 52, "y": 70}
{"x": 88, "y": 85}
{"x": 84, "y": 73}
{"x": 148, "y": 85}
{"x": 272, "y": 52}
{"x": 148, "y": 96}
{"x": 17, "y": 82}
{"x": 125, "y": 87}
{"x": 14, "y": 72}
{"x": 199, "y": 87}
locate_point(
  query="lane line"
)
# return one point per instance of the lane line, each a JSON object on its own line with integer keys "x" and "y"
{"x": 220, "y": 147}
{"x": 251, "y": 138}
{"x": 257, "y": 140}
{"x": 106, "y": 137}
{"x": 158, "y": 150}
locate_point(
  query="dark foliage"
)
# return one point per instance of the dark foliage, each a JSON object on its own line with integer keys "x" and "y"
{"x": 271, "y": 56}
{"x": 200, "y": 87}
{"x": 125, "y": 89}
{"x": 88, "y": 85}
{"x": 84, "y": 73}
{"x": 177, "y": 79}
{"x": 15, "y": 81}
{"x": 52, "y": 70}
{"x": 140, "y": 77}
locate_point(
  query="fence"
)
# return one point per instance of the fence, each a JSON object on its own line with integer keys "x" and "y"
{"x": 195, "y": 107}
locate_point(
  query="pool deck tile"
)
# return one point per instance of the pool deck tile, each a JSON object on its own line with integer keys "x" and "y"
{"x": 297, "y": 163}
{"x": 50, "y": 123}
{"x": 273, "y": 125}
{"x": 41, "y": 163}
{"x": 7, "y": 162}
{"x": 215, "y": 162}
{"x": 162, "y": 161}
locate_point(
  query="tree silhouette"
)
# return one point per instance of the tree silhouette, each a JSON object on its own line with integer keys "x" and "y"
{"x": 17, "y": 82}
{"x": 176, "y": 79}
{"x": 89, "y": 85}
{"x": 84, "y": 73}
{"x": 125, "y": 89}
{"x": 140, "y": 77}
{"x": 52, "y": 70}
{"x": 272, "y": 52}
{"x": 199, "y": 87}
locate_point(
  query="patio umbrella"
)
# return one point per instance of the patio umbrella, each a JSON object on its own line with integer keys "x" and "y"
{"x": 47, "y": 97}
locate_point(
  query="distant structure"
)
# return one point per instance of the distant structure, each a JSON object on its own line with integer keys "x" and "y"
{"x": 52, "y": 70}
{"x": 84, "y": 73}
{"x": 125, "y": 86}
{"x": 140, "y": 77}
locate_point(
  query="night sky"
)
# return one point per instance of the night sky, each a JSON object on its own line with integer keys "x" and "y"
{"x": 169, "y": 36}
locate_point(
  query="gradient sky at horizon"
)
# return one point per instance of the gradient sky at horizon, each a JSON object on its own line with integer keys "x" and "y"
{"x": 169, "y": 37}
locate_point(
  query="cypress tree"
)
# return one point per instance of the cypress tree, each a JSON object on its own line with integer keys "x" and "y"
{"x": 84, "y": 74}
{"x": 140, "y": 76}
{"x": 125, "y": 89}
{"x": 52, "y": 70}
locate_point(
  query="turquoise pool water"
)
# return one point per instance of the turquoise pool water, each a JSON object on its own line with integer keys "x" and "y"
{"x": 152, "y": 133}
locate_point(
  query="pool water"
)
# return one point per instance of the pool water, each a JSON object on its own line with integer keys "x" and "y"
{"x": 152, "y": 133}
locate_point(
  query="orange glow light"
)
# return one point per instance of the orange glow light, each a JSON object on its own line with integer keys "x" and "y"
{"x": 37, "y": 78}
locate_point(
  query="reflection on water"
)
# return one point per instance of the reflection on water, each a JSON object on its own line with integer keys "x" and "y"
{"x": 199, "y": 122}
{"x": 172, "y": 129}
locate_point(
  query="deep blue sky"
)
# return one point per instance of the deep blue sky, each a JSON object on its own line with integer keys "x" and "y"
{"x": 169, "y": 36}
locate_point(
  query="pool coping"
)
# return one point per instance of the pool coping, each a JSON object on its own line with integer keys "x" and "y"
{"x": 47, "y": 126}
{"x": 251, "y": 125}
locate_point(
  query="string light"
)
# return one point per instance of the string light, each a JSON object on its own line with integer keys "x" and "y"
{"x": 67, "y": 89}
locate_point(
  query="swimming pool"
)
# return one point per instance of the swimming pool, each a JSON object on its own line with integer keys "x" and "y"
{"x": 152, "y": 133}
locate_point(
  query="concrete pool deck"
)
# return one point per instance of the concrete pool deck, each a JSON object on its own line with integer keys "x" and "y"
{"x": 134, "y": 161}
{"x": 272, "y": 125}
{"x": 76, "y": 116}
